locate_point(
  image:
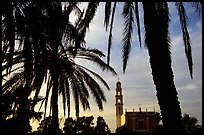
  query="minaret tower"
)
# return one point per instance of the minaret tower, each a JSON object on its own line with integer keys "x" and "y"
{"x": 118, "y": 103}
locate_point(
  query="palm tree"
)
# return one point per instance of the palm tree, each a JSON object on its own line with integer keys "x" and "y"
{"x": 46, "y": 52}
{"x": 156, "y": 20}
{"x": 12, "y": 104}
{"x": 160, "y": 61}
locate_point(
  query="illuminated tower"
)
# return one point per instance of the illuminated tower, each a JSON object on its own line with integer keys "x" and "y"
{"x": 118, "y": 103}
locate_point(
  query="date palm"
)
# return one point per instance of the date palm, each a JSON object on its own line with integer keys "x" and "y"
{"x": 157, "y": 41}
{"x": 14, "y": 116}
{"x": 48, "y": 44}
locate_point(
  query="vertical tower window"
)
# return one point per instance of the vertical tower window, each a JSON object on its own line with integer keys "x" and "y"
{"x": 119, "y": 101}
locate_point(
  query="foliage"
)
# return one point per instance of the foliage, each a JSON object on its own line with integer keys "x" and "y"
{"x": 190, "y": 124}
{"x": 123, "y": 130}
{"x": 80, "y": 125}
{"x": 34, "y": 42}
{"x": 85, "y": 125}
{"x": 13, "y": 114}
{"x": 44, "y": 51}
{"x": 101, "y": 126}
{"x": 45, "y": 126}
{"x": 69, "y": 126}
{"x": 156, "y": 20}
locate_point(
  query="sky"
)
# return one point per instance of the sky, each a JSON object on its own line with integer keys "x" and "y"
{"x": 137, "y": 84}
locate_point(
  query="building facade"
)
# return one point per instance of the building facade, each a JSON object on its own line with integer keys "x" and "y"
{"x": 143, "y": 122}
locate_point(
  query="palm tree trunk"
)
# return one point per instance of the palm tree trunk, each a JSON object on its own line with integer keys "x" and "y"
{"x": 55, "y": 40}
{"x": 54, "y": 102}
{"x": 158, "y": 44}
{"x": 23, "y": 111}
{"x": 55, "y": 123}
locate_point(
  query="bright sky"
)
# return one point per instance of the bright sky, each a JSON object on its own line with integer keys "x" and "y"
{"x": 137, "y": 84}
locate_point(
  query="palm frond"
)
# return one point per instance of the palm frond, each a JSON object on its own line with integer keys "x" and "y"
{"x": 49, "y": 86}
{"x": 110, "y": 34}
{"x": 82, "y": 90}
{"x": 186, "y": 37}
{"x": 127, "y": 32}
{"x": 76, "y": 95}
{"x": 37, "y": 85}
{"x": 89, "y": 15}
{"x": 138, "y": 22}
{"x": 28, "y": 58}
{"x": 84, "y": 24}
{"x": 9, "y": 34}
{"x": 198, "y": 7}
{"x": 67, "y": 89}
{"x": 99, "y": 62}
{"x": 94, "y": 58}
{"x": 107, "y": 14}
{"x": 62, "y": 91}
{"x": 94, "y": 88}
{"x": 16, "y": 77}
{"x": 19, "y": 68}
{"x": 92, "y": 50}
{"x": 97, "y": 76}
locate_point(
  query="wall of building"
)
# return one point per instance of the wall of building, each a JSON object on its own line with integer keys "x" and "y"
{"x": 140, "y": 123}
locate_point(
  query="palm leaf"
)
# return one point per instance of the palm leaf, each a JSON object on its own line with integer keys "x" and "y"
{"x": 127, "y": 32}
{"x": 13, "y": 82}
{"x": 62, "y": 91}
{"x": 9, "y": 34}
{"x": 138, "y": 22}
{"x": 94, "y": 88}
{"x": 75, "y": 94}
{"x": 107, "y": 14}
{"x": 186, "y": 37}
{"x": 83, "y": 93}
{"x": 84, "y": 24}
{"x": 110, "y": 34}
{"x": 98, "y": 61}
{"x": 67, "y": 89}
{"x": 97, "y": 76}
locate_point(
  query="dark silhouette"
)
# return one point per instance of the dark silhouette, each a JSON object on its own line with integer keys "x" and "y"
{"x": 14, "y": 117}
{"x": 45, "y": 126}
{"x": 190, "y": 125}
{"x": 157, "y": 41}
{"x": 33, "y": 41}
{"x": 82, "y": 125}
{"x": 69, "y": 126}
{"x": 123, "y": 130}
{"x": 101, "y": 126}
{"x": 45, "y": 50}
{"x": 85, "y": 125}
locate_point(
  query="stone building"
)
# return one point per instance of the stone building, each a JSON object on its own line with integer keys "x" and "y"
{"x": 137, "y": 121}
{"x": 140, "y": 121}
